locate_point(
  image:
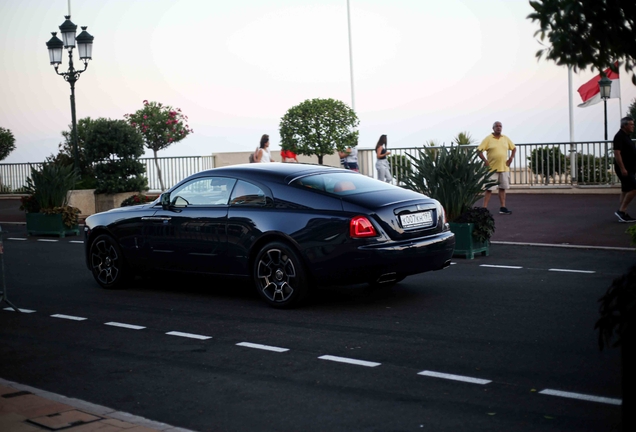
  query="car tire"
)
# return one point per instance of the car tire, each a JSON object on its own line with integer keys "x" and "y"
{"x": 107, "y": 263}
{"x": 279, "y": 276}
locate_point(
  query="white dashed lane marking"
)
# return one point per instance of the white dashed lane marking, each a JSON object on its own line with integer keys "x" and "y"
{"x": 571, "y": 271}
{"x": 188, "y": 335}
{"x": 262, "y": 347}
{"x": 21, "y": 310}
{"x": 580, "y": 396}
{"x": 122, "y": 325}
{"x": 501, "y": 266}
{"x": 77, "y": 241}
{"x": 16, "y": 238}
{"x": 454, "y": 377}
{"x": 349, "y": 361}
{"x": 48, "y": 240}
{"x": 68, "y": 317}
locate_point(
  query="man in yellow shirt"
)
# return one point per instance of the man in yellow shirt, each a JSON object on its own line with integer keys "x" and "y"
{"x": 496, "y": 147}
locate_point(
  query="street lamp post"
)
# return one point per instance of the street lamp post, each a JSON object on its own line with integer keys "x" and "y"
{"x": 85, "y": 48}
{"x": 605, "y": 85}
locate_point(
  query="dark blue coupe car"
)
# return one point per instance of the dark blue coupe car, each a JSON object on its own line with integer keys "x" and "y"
{"x": 288, "y": 227}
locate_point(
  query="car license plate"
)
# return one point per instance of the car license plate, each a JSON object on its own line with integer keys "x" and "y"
{"x": 414, "y": 220}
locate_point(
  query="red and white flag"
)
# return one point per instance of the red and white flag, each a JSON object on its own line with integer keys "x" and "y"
{"x": 591, "y": 92}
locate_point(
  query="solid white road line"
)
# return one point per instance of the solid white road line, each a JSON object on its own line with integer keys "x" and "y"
{"x": 500, "y": 266}
{"x": 21, "y": 310}
{"x": 16, "y": 238}
{"x": 580, "y": 396}
{"x": 77, "y": 241}
{"x": 128, "y": 326}
{"x": 48, "y": 240}
{"x": 69, "y": 317}
{"x": 454, "y": 377}
{"x": 262, "y": 347}
{"x": 571, "y": 271}
{"x": 349, "y": 361}
{"x": 188, "y": 335}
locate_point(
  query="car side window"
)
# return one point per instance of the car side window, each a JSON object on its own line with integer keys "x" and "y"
{"x": 247, "y": 194}
{"x": 204, "y": 191}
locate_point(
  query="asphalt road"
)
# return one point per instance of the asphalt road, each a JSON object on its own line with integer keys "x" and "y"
{"x": 508, "y": 335}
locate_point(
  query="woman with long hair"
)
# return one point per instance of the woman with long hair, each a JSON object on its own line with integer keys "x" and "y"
{"x": 262, "y": 153}
{"x": 382, "y": 165}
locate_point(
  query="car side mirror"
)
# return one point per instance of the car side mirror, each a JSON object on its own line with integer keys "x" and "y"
{"x": 165, "y": 200}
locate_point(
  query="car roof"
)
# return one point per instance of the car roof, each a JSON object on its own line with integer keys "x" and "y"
{"x": 279, "y": 172}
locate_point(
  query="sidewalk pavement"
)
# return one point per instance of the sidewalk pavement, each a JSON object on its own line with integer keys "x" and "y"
{"x": 554, "y": 219}
{"x": 27, "y": 409}
{"x": 565, "y": 220}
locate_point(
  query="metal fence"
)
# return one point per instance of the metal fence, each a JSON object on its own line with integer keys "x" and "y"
{"x": 173, "y": 169}
{"x": 588, "y": 163}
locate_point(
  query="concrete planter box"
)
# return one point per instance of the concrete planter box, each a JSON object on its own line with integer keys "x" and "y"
{"x": 83, "y": 199}
{"x": 105, "y": 202}
{"x": 465, "y": 243}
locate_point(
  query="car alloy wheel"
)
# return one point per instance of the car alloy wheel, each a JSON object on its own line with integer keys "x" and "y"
{"x": 106, "y": 262}
{"x": 279, "y": 275}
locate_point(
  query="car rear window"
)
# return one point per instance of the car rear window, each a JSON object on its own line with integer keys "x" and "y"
{"x": 341, "y": 183}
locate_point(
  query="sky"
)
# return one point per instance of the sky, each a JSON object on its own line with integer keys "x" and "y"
{"x": 422, "y": 70}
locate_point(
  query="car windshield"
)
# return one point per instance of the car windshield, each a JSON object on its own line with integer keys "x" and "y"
{"x": 341, "y": 183}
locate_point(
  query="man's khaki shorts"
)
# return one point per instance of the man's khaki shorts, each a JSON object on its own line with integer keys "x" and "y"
{"x": 503, "y": 178}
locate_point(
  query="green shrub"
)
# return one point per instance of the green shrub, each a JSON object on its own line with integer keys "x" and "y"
{"x": 548, "y": 162}
{"x": 632, "y": 234}
{"x": 50, "y": 184}
{"x": 481, "y": 218}
{"x": 593, "y": 170}
{"x": 401, "y": 167}
{"x": 114, "y": 148}
{"x": 454, "y": 176}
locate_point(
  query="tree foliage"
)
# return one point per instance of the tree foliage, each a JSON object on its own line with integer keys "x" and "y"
{"x": 587, "y": 33}
{"x": 319, "y": 127}
{"x": 66, "y": 156}
{"x": 7, "y": 143}
{"x": 160, "y": 126}
{"x": 114, "y": 148}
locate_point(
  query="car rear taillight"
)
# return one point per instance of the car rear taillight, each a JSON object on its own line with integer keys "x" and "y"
{"x": 361, "y": 227}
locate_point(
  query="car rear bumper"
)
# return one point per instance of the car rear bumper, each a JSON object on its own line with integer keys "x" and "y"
{"x": 383, "y": 261}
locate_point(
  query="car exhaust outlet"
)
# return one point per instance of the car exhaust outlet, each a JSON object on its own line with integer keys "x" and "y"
{"x": 447, "y": 263}
{"x": 387, "y": 277}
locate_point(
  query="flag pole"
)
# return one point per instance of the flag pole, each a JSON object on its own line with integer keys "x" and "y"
{"x": 353, "y": 99}
{"x": 571, "y": 110}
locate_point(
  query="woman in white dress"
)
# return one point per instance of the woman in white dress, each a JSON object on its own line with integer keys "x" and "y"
{"x": 262, "y": 153}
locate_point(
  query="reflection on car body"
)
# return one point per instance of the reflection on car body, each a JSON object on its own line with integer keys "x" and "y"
{"x": 288, "y": 227}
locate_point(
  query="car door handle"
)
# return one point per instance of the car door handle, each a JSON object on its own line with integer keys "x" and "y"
{"x": 156, "y": 218}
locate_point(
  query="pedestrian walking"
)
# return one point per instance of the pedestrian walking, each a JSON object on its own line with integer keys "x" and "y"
{"x": 496, "y": 145}
{"x": 382, "y": 165}
{"x": 625, "y": 167}
{"x": 349, "y": 158}
{"x": 262, "y": 153}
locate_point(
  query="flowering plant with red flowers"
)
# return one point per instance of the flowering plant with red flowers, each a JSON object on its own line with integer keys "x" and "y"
{"x": 138, "y": 199}
{"x": 160, "y": 126}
